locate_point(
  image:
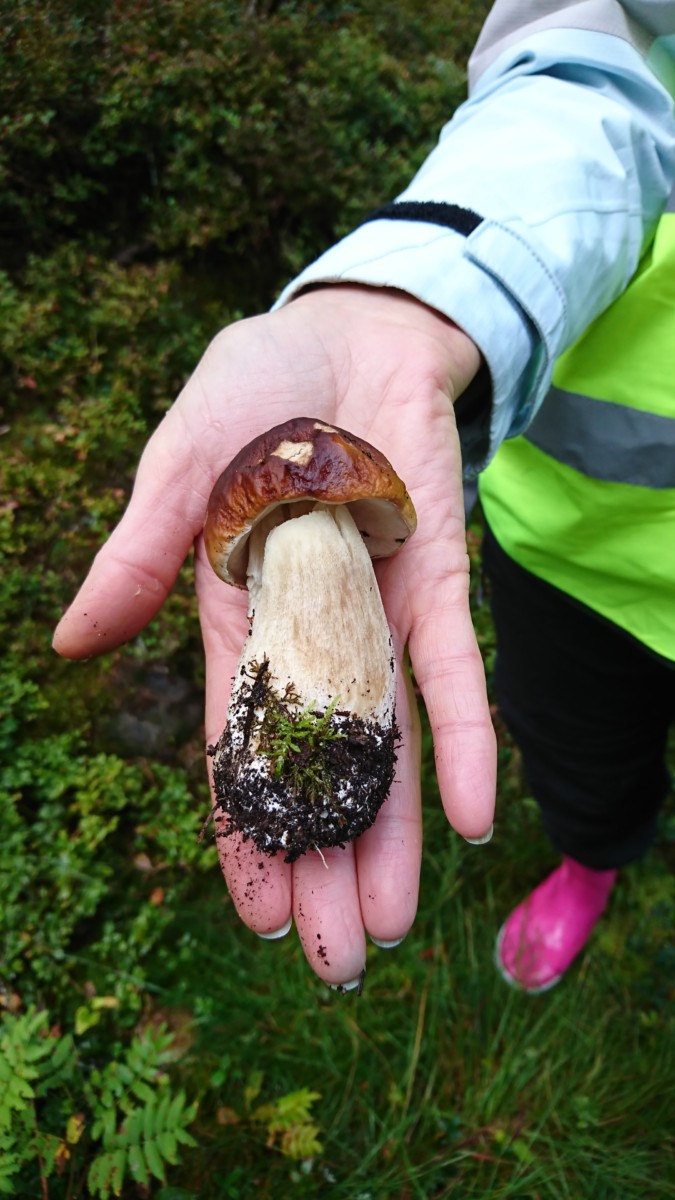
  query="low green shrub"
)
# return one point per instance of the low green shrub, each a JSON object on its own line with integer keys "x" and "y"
{"x": 217, "y": 129}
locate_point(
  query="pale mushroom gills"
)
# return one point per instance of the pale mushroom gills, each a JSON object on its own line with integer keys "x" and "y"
{"x": 308, "y": 754}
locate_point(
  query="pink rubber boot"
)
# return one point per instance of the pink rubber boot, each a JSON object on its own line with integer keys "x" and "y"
{"x": 544, "y": 934}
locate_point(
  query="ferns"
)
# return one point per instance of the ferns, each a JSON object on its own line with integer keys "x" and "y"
{"x": 139, "y": 1121}
{"x": 289, "y": 1125}
{"x": 134, "y": 1124}
{"x": 147, "y": 1138}
{"x": 32, "y": 1060}
{"x": 115, "y": 1126}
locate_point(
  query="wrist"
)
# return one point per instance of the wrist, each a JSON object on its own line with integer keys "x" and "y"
{"x": 361, "y": 302}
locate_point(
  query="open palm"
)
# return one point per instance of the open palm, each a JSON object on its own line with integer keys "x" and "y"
{"x": 387, "y": 369}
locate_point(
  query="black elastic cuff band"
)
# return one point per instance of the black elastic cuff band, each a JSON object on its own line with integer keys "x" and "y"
{"x": 434, "y": 212}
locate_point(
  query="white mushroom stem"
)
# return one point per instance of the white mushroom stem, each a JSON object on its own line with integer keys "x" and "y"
{"x": 317, "y": 616}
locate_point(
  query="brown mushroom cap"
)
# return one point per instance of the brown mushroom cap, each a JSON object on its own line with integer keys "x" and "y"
{"x": 305, "y": 459}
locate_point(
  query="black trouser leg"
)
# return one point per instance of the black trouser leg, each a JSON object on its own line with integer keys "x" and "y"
{"x": 589, "y": 708}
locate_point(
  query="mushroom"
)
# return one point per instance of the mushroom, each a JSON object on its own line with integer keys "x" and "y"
{"x": 307, "y": 756}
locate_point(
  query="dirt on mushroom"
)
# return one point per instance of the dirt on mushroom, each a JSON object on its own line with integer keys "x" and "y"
{"x": 288, "y": 811}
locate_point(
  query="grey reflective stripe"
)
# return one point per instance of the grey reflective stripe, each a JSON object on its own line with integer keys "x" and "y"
{"x": 606, "y": 441}
{"x": 670, "y": 206}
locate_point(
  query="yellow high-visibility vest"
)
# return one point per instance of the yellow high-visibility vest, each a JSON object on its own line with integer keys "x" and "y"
{"x": 585, "y": 499}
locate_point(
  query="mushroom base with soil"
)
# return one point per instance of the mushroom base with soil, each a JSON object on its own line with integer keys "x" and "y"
{"x": 308, "y": 754}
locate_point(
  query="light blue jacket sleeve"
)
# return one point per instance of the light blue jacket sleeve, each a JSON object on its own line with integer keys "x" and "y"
{"x": 565, "y": 155}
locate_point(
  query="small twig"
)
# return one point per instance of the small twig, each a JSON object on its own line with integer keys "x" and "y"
{"x": 207, "y": 822}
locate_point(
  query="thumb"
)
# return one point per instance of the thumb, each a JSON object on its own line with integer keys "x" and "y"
{"x": 135, "y": 570}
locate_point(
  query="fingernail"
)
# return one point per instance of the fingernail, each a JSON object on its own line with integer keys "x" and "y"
{"x": 351, "y": 985}
{"x": 277, "y": 933}
{"x": 481, "y": 841}
{"x": 386, "y": 945}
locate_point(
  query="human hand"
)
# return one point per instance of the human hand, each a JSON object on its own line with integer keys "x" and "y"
{"x": 389, "y": 369}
